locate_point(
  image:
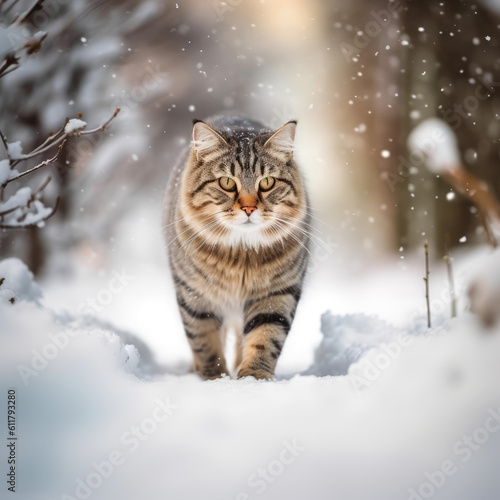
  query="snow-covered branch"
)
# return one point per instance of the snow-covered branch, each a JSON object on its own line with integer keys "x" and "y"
{"x": 20, "y": 43}
{"x": 25, "y": 208}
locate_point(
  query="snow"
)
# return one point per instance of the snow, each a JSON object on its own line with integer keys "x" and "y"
{"x": 74, "y": 125}
{"x": 435, "y": 140}
{"x": 39, "y": 36}
{"x": 15, "y": 150}
{"x": 375, "y": 415}
{"x": 368, "y": 403}
{"x": 37, "y": 217}
{"x": 13, "y": 38}
{"x": 5, "y": 172}
{"x": 18, "y": 283}
{"x": 345, "y": 340}
{"x": 24, "y": 215}
{"x": 19, "y": 199}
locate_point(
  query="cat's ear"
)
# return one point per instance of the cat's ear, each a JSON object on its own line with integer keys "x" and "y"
{"x": 205, "y": 139}
{"x": 283, "y": 139}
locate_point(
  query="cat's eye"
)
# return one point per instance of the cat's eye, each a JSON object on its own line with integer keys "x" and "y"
{"x": 227, "y": 184}
{"x": 266, "y": 183}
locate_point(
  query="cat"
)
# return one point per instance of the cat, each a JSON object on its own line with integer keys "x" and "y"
{"x": 236, "y": 214}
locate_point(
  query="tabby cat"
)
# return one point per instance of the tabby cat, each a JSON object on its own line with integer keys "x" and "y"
{"x": 236, "y": 217}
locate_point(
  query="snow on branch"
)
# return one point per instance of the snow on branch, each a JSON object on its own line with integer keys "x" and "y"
{"x": 25, "y": 208}
{"x": 19, "y": 41}
{"x": 437, "y": 142}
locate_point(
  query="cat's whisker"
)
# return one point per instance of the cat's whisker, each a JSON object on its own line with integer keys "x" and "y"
{"x": 225, "y": 228}
{"x": 306, "y": 233}
{"x": 278, "y": 235}
{"x": 216, "y": 237}
{"x": 204, "y": 241}
{"x": 183, "y": 219}
{"x": 195, "y": 234}
{"x": 308, "y": 207}
{"x": 311, "y": 212}
{"x": 202, "y": 229}
{"x": 303, "y": 231}
{"x": 308, "y": 211}
{"x": 291, "y": 234}
{"x": 190, "y": 227}
{"x": 210, "y": 229}
{"x": 300, "y": 222}
{"x": 209, "y": 226}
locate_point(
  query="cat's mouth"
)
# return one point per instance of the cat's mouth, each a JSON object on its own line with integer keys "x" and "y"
{"x": 248, "y": 225}
{"x": 245, "y": 222}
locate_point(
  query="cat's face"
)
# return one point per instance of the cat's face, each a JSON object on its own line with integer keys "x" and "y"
{"x": 243, "y": 188}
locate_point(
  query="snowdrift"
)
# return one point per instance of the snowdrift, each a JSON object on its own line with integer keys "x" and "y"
{"x": 382, "y": 413}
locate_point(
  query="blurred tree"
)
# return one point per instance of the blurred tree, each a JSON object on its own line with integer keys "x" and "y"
{"x": 404, "y": 62}
{"x": 454, "y": 73}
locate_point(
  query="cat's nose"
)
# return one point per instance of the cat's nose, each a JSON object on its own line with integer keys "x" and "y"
{"x": 249, "y": 210}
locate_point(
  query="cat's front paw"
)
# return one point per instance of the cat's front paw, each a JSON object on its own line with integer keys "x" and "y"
{"x": 212, "y": 374}
{"x": 258, "y": 374}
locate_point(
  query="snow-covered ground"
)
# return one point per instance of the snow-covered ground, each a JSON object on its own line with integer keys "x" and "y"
{"x": 368, "y": 403}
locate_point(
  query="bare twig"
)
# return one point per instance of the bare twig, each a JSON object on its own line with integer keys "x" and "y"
{"x": 11, "y": 62}
{"x": 52, "y": 135}
{"x": 42, "y": 186}
{"x": 451, "y": 283}
{"x": 61, "y": 136}
{"x": 57, "y": 139}
{"x": 54, "y": 210}
{"x": 426, "y": 279}
{"x": 10, "y": 70}
{"x": 36, "y": 167}
{"x": 34, "y": 44}
{"x": 35, "y": 153}
{"x": 49, "y": 140}
{"x": 102, "y": 128}
{"x": 4, "y": 141}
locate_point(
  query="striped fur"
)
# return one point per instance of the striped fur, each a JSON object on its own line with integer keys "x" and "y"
{"x": 232, "y": 269}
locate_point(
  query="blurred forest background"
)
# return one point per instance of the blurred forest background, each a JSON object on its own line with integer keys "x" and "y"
{"x": 357, "y": 74}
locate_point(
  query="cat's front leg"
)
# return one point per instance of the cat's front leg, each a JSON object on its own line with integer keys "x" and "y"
{"x": 203, "y": 331}
{"x": 267, "y": 323}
